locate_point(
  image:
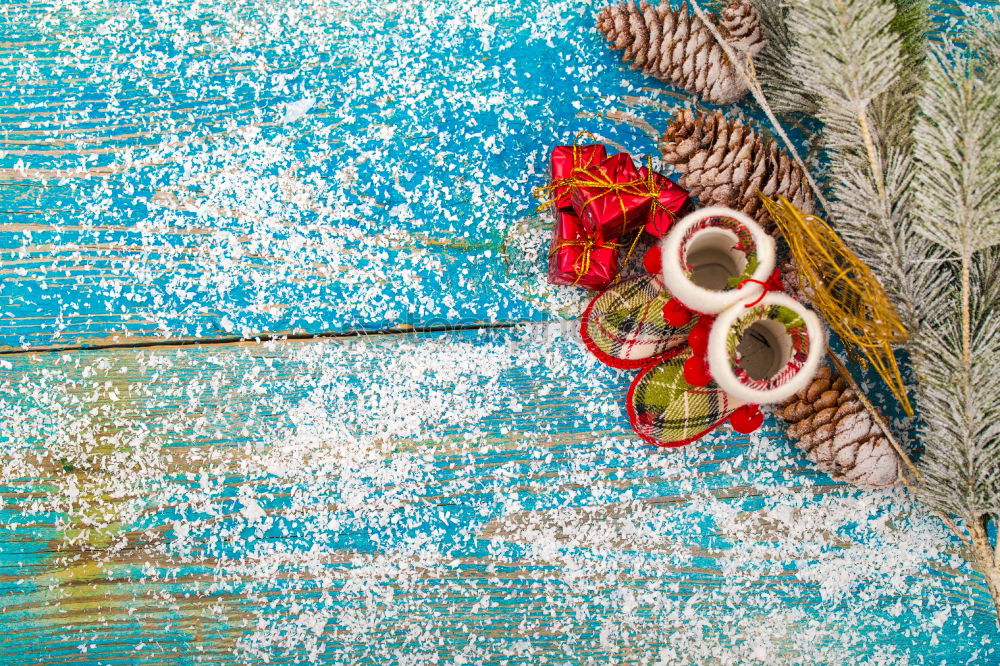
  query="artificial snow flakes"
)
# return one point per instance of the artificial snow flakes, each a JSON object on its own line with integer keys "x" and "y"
{"x": 303, "y": 496}
{"x": 184, "y": 169}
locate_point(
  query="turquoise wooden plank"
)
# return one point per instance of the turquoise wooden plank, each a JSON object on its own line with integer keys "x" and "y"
{"x": 367, "y": 500}
{"x": 471, "y": 495}
{"x": 218, "y": 169}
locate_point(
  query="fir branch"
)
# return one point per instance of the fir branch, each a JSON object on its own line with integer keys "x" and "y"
{"x": 779, "y": 78}
{"x": 912, "y": 25}
{"x": 958, "y": 391}
{"x": 982, "y": 33}
{"x": 929, "y": 226}
{"x": 958, "y": 149}
{"x": 848, "y": 53}
{"x": 774, "y": 65}
{"x": 957, "y": 207}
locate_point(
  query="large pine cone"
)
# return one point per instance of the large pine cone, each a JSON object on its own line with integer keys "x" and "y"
{"x": 833, "y": 428}
{"x": 726, "y": 163}
{"x": 675, "y": 46}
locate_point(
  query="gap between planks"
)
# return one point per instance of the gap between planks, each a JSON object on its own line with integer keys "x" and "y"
{"x": 142, "y": 343}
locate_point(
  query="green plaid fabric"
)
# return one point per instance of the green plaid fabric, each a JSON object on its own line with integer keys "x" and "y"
{"x": 794, "y": 326}
{"x": 665, "y": 410}
{"x": 624, "y": 326}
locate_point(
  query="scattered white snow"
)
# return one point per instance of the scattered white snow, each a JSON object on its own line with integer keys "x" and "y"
{"x": 468, "y": 498}
{"x": 472, "y": 484}
{"x": 295, "y": 110}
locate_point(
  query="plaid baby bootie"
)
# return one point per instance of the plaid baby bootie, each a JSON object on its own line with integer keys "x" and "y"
{"x": 747, "y": 344}
{"x": 708, "y": 327}
{"x": 624, "y": 326}
{"x": 758, "y": 353}
{"x": 711, "y": 259}
{"x": 766, "y": 350}
{"x": 665, "y": 410}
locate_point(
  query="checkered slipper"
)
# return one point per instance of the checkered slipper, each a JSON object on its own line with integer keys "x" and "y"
{"x": 623, "y": 325}
{"x": 715, "y": 257}
{"x": 767, "y": 350}
{"x": 667, "y": 411}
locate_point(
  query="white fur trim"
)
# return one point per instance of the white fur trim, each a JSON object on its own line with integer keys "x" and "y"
{"x": 723, "y": 373}
{"x": 710, "y": 301}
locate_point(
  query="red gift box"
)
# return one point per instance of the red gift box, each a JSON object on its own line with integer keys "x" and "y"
{"x": 566, "y": 160}
{"x": 670, "y": 199}
{"x": 611, "y": 198}
{"x": 577, "y": 258}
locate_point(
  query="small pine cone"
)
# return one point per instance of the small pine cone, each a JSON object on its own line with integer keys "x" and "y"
{"x": 675, "y": 45}
{"x": 740, "y": 26}
{"x": 837, "y": 433}
{"x": 726, "y": 163}
{"x": 795, "y": 285}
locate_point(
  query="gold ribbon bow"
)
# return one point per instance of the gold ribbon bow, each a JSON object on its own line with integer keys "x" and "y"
{"x": 582, "y": 264}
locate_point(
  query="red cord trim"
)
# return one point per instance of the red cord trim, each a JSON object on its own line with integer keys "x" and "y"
{"x": 773, "y": 284}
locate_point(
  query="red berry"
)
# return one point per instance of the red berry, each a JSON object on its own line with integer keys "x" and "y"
{"x": 675, "y": 314}
{"x": 696, "y": 371}
{"x": 653, "y": 260}
{"x": 746, "y": 419}
{"x": 698, "y": 337}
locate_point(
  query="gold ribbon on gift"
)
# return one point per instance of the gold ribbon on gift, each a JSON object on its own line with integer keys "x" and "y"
{"x": 845, "y": 291}
{"x": 599, "y": 178}
{"x": 548, "y": 190}
{"x": 656, "y": 205}
{"x": 576, "y": 150}
{"x": 582, "y": 264}
{"x": 589, "y": 245}
{"x": 651, "y": 184}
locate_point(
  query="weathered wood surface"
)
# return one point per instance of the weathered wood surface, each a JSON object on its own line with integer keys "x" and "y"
{"x": 236, "y": 168}
{"x": 470, "y": 495}
{"x": 182, "y": 170}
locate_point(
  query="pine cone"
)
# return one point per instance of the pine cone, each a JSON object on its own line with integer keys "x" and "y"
{"x": 838, "y": 434}
{"x": 675, "y": 46}
{"x": 740, "y": 26}
{"x": 726, "y": 163}
{"x": 796, "y": 286}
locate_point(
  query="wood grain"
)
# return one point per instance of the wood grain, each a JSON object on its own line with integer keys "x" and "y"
{"x": 411, "y": 495}
{"x": 151, "y": 185}
{"x": 356, "y": 499}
